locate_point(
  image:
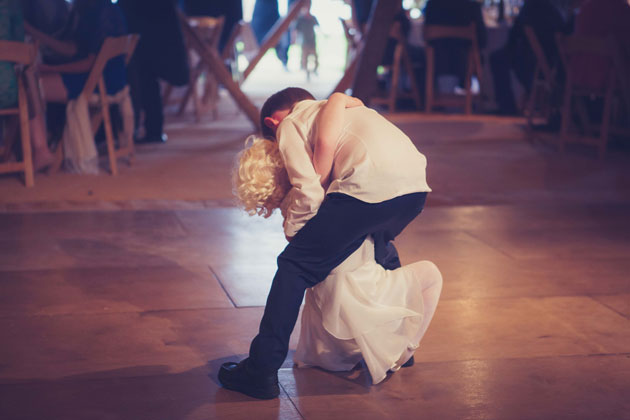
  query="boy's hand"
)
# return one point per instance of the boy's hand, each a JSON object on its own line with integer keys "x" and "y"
{"x": 352, "y": 102}
{"x": 289, "y": 238}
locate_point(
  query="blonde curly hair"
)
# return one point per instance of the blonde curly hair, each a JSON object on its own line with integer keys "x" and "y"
{"x": 260, "y": 179}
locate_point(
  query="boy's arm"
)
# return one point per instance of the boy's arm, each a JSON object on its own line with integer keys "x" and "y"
{"x": 307, "y": 193}
{"x": 330, "y": 122}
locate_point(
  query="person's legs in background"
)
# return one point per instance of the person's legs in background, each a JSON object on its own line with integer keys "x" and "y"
{"x": 146, "y": 98}
{"x": 151, "y": 102}
{"x": 501, "y": 79}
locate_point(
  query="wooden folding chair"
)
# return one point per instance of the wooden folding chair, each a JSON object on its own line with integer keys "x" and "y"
{"x": 473, "y": 65}
{"x": 208, "y": 29}
{"x": 544, "y": 86}
{"x": 24, "y": 55}
{"x": 598, "y": 48}
{"x": 401, "y": 57}
{"x": 112, "y": 47}
{"x": 217, "y": 66}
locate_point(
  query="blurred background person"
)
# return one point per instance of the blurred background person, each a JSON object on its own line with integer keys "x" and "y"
{"x": 12, "y": 29}
{"x": 304, "y": 26}
{"x": 451, "y": 55}
{"x": 51, "y": 17}
{"x": 160, "y": 54}
{"x": 517, "y": 56}
{"x": 265, "y": 15}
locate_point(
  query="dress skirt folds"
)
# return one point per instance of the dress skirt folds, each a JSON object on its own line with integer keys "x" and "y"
{"x": 362, "y": 311}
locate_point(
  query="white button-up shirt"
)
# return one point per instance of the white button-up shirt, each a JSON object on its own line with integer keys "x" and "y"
{"x": 374, "y": 161}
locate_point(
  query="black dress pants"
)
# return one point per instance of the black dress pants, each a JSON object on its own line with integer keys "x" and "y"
{"x": 332, "y": 235}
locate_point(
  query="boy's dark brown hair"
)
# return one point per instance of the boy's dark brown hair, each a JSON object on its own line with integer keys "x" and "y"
{"x": 284, "y": 99}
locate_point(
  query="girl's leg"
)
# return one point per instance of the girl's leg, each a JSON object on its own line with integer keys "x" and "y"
{"x": 431, "y": 285}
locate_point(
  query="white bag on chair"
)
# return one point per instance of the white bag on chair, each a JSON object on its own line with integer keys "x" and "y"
{"x": 80, "y": 154}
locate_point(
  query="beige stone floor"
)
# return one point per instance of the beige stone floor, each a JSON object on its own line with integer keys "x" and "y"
{"x": 121, "y": 296}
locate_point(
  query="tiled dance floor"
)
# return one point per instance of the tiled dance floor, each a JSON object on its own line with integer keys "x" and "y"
{"x": 128, "y": 315}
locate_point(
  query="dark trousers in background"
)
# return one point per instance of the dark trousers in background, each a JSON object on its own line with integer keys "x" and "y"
{"x": 501, "y": 66}
{"x": 264, "y": 16}
{"x": 146, "y": 95}
{"x": 337, "y": 230}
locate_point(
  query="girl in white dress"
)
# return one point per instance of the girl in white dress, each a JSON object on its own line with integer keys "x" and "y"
{"x": 361, "y": 311}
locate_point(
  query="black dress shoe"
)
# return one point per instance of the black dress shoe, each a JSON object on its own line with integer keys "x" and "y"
{"x": 153, "y": 139}
{"x": 235, "y": 376}
{"x": 409, "y": 362}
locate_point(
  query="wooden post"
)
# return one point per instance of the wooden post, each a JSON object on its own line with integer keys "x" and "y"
{"x": 274, "y": 34}
{"x": 375, "y": 41}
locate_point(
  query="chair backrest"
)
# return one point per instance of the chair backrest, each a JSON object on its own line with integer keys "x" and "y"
{"x": 541, "y": 59}
{"x": 208, "y": 28}
{"x": 569, "y": 45}
{"x": 433, "y": 32}
{"x": 112, "y": 47}
{"x": 466, "y": 33}
{"x": 580, "y": 47}
{"x": 17, "y": 52}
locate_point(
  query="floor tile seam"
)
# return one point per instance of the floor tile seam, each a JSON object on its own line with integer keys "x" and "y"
{"x": 118, "y": 205}
{"x": 535, "y": 258}
{"x": 105, "y": 205}
{"x": 235, "y": 306}
{"x": 607, "y": 306}
{"x": 488, "y": 244}
{"x": 102, "y": 267}
{"x": 422, "y": 227}
{"x": 288, "y": 396}
{"x": 625, "y": 224}
{"x": 181, "y": 224}
{"x": 188, "y": 267}
{"x": 420, "y": 362}
{"x": 141, "y": 313}
{"x": 86, "y": 378}
{"x": 225, "y": 290}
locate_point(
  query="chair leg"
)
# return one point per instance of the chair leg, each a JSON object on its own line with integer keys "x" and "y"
{"x": 107, "y": 124}
{"x": 531, "y": 101}
{"x": 566, "y": 113}
{"x": 428, "y": 91}
{"x": 468, "y": 84}
{"x": 25, "y": 135}
{"x": 603, "y": 137}
{"x": 393, "y": 93}
{"x": 412, "y": 79}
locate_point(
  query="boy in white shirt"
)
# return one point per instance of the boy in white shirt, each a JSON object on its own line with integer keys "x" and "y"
{"x": 375, "y": 184}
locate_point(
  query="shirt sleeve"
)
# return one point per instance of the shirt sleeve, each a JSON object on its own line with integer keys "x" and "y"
{"x": 307, "y": 193}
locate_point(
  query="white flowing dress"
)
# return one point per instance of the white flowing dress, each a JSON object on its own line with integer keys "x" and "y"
{"x": 362, "y": 311}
